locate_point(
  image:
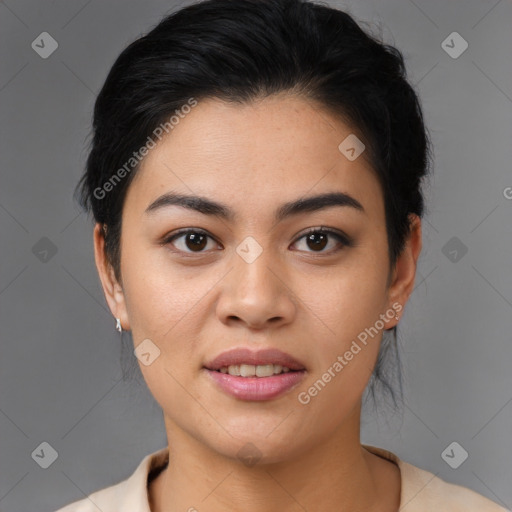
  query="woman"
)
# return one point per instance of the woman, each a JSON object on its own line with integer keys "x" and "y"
{"x": 255, "y": 179}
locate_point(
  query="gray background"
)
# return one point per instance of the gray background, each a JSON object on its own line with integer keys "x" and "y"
{"x": 60, "y": 372}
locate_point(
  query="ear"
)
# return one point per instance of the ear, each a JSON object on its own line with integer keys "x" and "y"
{"x": 404, "y": 272}
{"x": 111, "y": 288}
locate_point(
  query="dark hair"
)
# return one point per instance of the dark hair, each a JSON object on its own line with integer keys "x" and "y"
{"x": 242, "y": 50}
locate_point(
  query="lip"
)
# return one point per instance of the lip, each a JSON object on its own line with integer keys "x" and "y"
{"x": 259, "y": 357}
{"x": 255, "y": 388}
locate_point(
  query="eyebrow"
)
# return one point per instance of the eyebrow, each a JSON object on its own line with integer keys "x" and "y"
{"x": 213, "y": 208}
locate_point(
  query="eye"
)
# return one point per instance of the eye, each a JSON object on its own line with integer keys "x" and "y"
{"x": 317, "y": 239}
{"x": 190, "y": 240}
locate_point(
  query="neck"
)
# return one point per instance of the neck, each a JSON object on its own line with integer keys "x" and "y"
{"x": 337, "y": 474}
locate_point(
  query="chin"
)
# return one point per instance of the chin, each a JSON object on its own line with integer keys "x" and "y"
{"x": 257, "y": 452}
{"x": 259, "y": 446}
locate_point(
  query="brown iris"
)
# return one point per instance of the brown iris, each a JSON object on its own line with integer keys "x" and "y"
{"x": 196, "y": 241}
{"x": 317, "y": 241}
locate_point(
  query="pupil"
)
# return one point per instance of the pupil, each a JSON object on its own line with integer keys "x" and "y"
{"x": 197, "y": 241}
{"x": 318, "y": 240}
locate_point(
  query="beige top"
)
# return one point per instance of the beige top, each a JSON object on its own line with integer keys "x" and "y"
{"x": 421, "y": 491}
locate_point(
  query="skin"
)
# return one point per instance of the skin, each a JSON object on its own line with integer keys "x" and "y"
{"x": 309, "y": 304}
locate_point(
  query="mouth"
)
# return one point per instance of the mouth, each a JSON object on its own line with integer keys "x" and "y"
{"x": 249, "y": 363}
{"x": 251, "y": 370}
{"x": 257, "y": 376}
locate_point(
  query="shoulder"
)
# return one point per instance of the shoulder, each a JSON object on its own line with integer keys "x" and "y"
{"x": 423, "y": 491}
{"x": 129, "y": 495}
{"x": 426, "y": 492}
{"x": 106, "y": 500}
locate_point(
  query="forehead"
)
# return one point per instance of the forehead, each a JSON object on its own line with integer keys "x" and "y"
{"x": 255, "y": 155}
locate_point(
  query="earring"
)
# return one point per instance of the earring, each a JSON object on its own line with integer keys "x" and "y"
{"x": 119, "y": 327}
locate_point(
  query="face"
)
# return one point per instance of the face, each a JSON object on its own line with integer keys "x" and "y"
{"x": 308, "y": 280}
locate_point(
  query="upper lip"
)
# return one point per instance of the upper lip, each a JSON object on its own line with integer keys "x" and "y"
{"x": 259, "y": 357}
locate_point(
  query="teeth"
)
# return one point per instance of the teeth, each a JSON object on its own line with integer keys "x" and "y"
{"x": 264, "y": 370}
{"x": 251, "y": 370}
{"x": 234, "y": 369}
{"x": 247, "y": 370}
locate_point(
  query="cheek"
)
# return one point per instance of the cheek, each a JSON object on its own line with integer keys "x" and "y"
{"x": 162, "y": 299}
{"x": 348, "y": 299}
{"x": 163, "y": 306}
{"x": 349, "y": 302}
{"x": 347, "y": 353}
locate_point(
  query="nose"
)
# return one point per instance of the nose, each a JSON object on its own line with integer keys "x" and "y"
{"x": 256, "y": 294}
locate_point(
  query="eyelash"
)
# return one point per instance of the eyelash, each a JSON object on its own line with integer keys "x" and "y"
{"x": 343, "y": 239}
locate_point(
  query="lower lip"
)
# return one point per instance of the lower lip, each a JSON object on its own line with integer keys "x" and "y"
{"x": 256, "y": 388}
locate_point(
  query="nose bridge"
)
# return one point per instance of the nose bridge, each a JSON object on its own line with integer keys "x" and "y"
{"x": 252, "y": 269}
{"x": 253, "y": 293}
